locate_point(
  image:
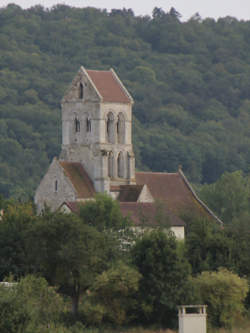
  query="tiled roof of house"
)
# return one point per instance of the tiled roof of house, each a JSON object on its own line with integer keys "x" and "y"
{"x": 79, "y": 179}
{"x": 109, "y": 86}
{"x": 150, "y": 214}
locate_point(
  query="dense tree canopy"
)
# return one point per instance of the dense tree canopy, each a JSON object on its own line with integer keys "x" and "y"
{"x": 190, "y": 81}
{"x": 164, "y": 275}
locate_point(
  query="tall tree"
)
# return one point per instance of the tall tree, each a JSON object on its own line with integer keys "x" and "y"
{"x": 68, "y": 253}
{"x": 164, "y": 274}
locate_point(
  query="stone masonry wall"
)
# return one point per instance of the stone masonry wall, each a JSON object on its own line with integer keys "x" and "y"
{"x": 46, "y": 192}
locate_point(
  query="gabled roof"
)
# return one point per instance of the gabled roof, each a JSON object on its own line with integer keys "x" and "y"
{"x": 109, "y": 86}
{"x": 150, "y": 214}
{"x": 167, "y": 187}
{"x": 175, "y": 191}
{"x": 79, "y": 179}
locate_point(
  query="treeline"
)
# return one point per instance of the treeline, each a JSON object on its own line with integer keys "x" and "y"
{"x": 190, "y": 81}
{"x": 92, "y": 273}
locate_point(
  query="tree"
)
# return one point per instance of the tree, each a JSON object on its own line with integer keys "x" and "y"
{"x": 105, "y": 215}
{"x": 69, "y": 253}
{"x": 164, "y": 274}
{"x": 229, "y": 196}
{"x": 115, "y": 290}
{"x": 224, "y": 293}
{"x": 15, "y": 232}
{"x": 28, "y": 305}
{"x": 207, "y": 245}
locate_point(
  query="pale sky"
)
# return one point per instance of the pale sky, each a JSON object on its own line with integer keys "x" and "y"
{"x": 206, "y": 8}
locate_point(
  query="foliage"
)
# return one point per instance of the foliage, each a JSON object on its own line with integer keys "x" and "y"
{"x": 69, "y": 253}
{"x": 114, "y": 290}
{"x": 15, "y": 228}
{"x": 105, "y": 215}
{"x": 27, "y": 305}
{"x": 207, "y": 245}
{"x": 190, "y": 82}
{"x": 224, "y": 293}
{"x": 164, "y": 276}
{"x": 229, "y": 197}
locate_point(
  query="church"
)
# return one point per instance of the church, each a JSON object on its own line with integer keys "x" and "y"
{"x": 97, "y": 156}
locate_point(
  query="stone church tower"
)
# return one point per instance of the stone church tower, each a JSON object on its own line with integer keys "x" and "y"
{"x": 97, "y": 149}
{"x": 97, "y": 156}
{"x": 96, "y": 128}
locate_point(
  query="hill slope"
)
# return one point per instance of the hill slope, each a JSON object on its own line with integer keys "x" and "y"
{"x": 190, "y": 82}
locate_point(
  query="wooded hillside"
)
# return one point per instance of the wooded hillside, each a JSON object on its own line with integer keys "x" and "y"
{"x": 190, "y": 81}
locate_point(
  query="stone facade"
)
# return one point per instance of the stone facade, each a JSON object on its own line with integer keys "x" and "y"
{"x": 54, "y": 188}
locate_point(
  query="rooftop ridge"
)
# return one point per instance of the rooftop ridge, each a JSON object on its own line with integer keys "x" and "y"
{"x": 198, "y": 199}
{"x": 157, "y": 173}
{"x": 122, "y": 85}
{"x": 93, "y": 84}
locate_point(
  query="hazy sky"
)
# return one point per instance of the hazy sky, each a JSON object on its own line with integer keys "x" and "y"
{"x": 206, "y": 8}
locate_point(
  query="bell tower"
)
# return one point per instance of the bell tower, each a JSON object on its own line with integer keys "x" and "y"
{"x": 96, "y": 128}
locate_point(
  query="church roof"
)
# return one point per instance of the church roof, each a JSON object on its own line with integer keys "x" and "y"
{"x": 168, "y": 187}
{"x": 79, "y": 179}
{"x": 129, "y": 193}
{"x": 150, "y": 214}
{"x": 175, "y": 190}
{"x": 109, "y": 86}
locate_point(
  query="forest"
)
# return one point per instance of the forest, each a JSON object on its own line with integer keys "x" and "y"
{"x": 190, "y": 82}
{"x": 91, "y": 273}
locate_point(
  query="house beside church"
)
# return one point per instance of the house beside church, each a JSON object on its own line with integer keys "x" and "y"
{"x": 97, "y": 156}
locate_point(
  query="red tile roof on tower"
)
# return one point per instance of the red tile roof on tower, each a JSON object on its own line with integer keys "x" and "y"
{"x": 109, "y": 87}
{"x": 79, "y": 179}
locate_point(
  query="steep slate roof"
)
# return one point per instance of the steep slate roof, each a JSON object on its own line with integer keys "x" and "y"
{"x": 109, "y": 86}
{"x": 150, "y": 214}
{"x": 79, "y": 179}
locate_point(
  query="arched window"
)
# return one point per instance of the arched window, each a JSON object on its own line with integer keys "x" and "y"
{"x": 56, "y": 186}
{"x": 81, "y": 91}
{"x": 110, "y": 128}
{"x": 120, "y": 165}
{"x": 77, "y": 125}
{"x": 121, "y": 128}
{"x": 88, "y": 124}
{"x": 111, "y": 165}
